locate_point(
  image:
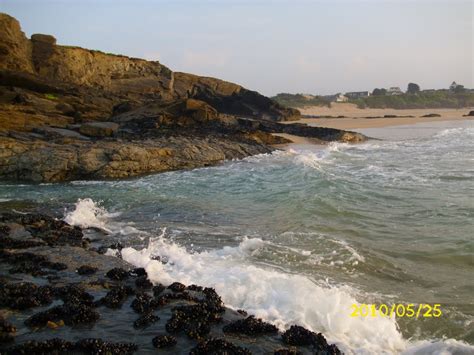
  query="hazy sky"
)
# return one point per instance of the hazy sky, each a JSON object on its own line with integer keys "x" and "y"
{"x": 274, "y": 46}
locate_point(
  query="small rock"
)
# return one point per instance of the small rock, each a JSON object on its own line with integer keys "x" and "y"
{"x": 143, "y": 282}
{"x": 87, "y": 270}
{"x": 177, "y": 287}
{"x": 117, "y": 273}
{"x": 164, "y": 341}
{"x": 145, "y": 320}
{"x": 116, "y": 296}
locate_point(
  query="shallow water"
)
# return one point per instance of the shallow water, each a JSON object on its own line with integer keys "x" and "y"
{"x": 300, "y": 235}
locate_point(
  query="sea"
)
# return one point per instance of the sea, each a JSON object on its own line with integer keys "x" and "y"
{"x": 306, "y": 234}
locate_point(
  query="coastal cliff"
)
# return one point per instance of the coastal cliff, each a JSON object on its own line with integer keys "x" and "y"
{"x": 70, "y": 113}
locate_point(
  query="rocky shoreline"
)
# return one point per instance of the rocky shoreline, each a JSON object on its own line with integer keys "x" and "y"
{"x": 68, "y": 113}
{"x": 60, "y": 294}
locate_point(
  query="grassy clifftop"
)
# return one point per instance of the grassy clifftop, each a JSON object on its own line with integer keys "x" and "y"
{"x": 437, "y": 99}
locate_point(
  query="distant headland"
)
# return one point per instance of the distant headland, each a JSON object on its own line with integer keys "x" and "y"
{"x": 455, "y": 96}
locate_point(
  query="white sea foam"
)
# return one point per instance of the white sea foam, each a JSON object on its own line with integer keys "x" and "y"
{"x": 89, "y": 214}
{"x": 276, "y": 296}
{"x": 279, "y": 297}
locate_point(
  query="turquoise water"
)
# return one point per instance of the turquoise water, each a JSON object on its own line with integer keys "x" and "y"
{"x": 300, "y": 235}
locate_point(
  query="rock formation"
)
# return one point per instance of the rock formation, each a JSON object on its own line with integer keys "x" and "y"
{"x": 71, "y": 113}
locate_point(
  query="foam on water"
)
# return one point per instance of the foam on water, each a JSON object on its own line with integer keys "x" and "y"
{"x": 89, "y": 214}
{"x": 351, "y": 189}
{"x": 281, "y": 298}
{"x": 278, "y": 297}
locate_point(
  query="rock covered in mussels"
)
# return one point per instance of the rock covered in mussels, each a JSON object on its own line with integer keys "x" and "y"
{"x": 298, "y": 335}
{"x": 164, "y": 341}
{"x": 250, "y": 326}
{"x": 218, "y": 346}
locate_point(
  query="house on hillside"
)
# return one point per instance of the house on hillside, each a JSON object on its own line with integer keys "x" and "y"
{"x": 341, "y": 98}
{"x": 357, "y": 94}
{"x": 394, "y": 90}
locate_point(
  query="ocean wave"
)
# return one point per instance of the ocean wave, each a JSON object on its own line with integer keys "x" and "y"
{"x": 449, "y": 132}
{"x": 89, "y": 214}
{"x": 278, "y": 297}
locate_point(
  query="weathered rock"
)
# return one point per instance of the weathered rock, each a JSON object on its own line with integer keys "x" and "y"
{"x": 158, "y": 120}
{"x": 99, "y": 129}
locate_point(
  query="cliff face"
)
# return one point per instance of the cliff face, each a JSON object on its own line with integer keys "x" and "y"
{"x": 70, "y": 113}
{"x": 137, "y": 79}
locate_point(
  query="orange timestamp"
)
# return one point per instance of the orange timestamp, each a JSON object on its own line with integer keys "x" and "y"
{"x": 410, "y": 310}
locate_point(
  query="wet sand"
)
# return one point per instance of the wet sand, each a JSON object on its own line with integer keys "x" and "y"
{"x": 357, "y": 118}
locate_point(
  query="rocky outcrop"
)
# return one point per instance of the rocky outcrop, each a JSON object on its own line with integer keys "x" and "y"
{"x": 69, "y": 113}
{"x": 58, "y": 293}
{"x": 121, "y": 75}
{"x": 40, "y": 161}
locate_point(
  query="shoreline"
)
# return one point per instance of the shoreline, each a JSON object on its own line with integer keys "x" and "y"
{"x": 110, "y": 305}
{"x": 355, "y": 118}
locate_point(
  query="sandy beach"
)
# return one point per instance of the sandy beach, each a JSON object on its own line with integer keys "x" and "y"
{"x": 358, "y": 118}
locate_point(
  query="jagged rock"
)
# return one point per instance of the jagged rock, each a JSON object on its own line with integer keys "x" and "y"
{"x": 159, "y": 120}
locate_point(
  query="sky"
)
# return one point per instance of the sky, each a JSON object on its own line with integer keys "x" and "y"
{"x": 295, "y": 46}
